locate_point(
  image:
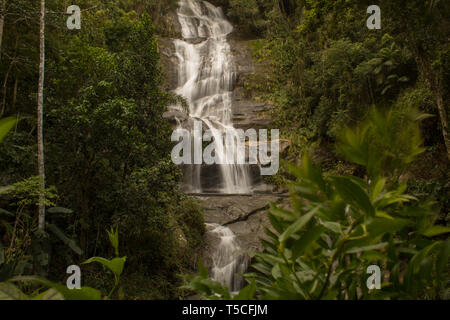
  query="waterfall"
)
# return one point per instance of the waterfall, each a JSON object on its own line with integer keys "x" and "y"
{"x": 206, "y": 75}
{"x": 227, "y": 259}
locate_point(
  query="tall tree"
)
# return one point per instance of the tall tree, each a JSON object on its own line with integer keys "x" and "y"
{"x": 40, "y": 118}
{"x": 2, "y": 22}
{"x": 427, "y": 52}
{"x": 425, "y": 26}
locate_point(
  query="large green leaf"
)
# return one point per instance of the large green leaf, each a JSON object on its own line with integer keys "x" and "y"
{"x": 116, "y": 265}
{"x": 9, "y": 291}
{"x": 6, "y": 125}
{"x": 377, "y": 188}
{"x": 332, "y": 226}
{"x": 247, "y": 293}
{"x": 6, "y": 213}
{"x": 306, "y": 240}
{"x": 298, "y": 225}
{"x": 67, "y": 241}
{"x": 50, "y": 294}
{"x": 419, "y": 261}
{"x": 435, "y": 231}
{"x": 382, "y": 225}
{"x": 368, "y": 248}
{"x": 207, "y": 287}
{"x": 283, "y": 214}
{"x": 275, "y": 223}
{"x": 85, "y": 293}
{"x": 353, "y": 194}
{"x": 442, "y": 259}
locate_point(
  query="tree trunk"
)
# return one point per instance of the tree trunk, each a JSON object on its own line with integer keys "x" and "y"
{"x": 433, "y": 79}
{"x": 14, "y": 100}
{"x": 84, "y": 219}
{"x": 2, "y": 23}
{"x": 444, "y": 120}
{"x": 5, "y": 86}
{"x": 40, "y": 120}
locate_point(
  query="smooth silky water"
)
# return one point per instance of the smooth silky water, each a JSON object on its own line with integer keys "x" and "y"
{"x": 206, "y": 75}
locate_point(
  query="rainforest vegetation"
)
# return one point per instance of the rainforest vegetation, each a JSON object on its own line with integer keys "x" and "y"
{"x": 107, "y": 153}
{"x": 365, "y": 113}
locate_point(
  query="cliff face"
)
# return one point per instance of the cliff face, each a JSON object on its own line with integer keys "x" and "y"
{"x": 245, "y": 216}
{"x": 246, "y": 112}
{"x": 168, "y": 63}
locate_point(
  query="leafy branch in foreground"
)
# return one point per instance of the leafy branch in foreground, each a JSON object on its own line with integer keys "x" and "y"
{"x": 49, "y": 290}
{"x": 214, "y": 290}
{"x": 337, "y": 226}
{"x": 116, "y": 264}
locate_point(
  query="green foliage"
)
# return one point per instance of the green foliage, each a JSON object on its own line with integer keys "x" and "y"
{"x": 337, "y": 226}
{"x": 116, "y": 264}
{"x": 385, "y": 142}
{"x": 248, "y": 15}
{"x": 106, "y": 142}
{"x": 27, "y": 192}
{"x": 213, "y": 290}
{"x": 66, "y": 240}
{"x": 6, "y": 125}
{"x": 28, "y": 249}
{"x": 113, "y": 236}
{"x": 56, "y": 291}
{"x": 323, "y": 70}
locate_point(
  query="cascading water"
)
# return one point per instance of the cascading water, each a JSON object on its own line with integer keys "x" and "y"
{"x": 228, "y": 261}
{"x": 206, "y": 75}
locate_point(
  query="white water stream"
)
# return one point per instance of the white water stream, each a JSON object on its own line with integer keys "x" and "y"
{"x": 206, "y": 75}
{"x": 228, "y": 260}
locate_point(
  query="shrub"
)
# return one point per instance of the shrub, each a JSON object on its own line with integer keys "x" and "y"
{"x": 340, "y": 225}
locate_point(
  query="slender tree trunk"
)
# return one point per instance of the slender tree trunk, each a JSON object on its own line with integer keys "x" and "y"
{"x": 444, "y": 120}
{"x": 14, "y": 100}
{"x": 84, "y": 222}
{"x": 40, "y": 119}
{"x": 434, "y": 80}
{"x": 2, "y": 23}
{"x": 5, "y": 82}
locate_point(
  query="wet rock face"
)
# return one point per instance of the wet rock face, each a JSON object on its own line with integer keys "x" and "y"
{"x": 168, "y": 60}
{"x": 246, "y": 112}
{"x": 168, "y": 63}
{"x": 246, "y": 216}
